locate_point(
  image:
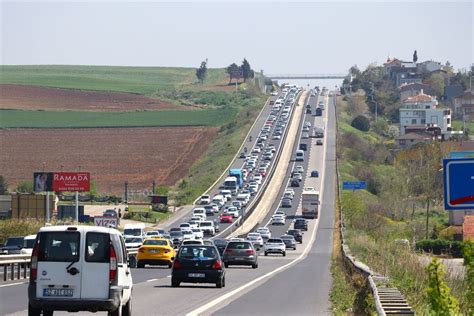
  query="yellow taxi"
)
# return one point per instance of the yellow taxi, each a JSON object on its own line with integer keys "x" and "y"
{"x": 155, "y": 251}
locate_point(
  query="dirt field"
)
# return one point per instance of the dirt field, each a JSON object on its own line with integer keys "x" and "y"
{"x": 111, "y": 155}
{"x": 35, "y": 98}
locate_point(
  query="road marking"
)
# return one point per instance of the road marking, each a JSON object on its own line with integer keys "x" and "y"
{"x": 152, "y": 280}
{"x": 12, "y": 284}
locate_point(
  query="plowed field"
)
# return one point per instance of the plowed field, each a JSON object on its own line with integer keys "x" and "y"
{"x": 111, "y": 155}
{"x": 41, "y": 98}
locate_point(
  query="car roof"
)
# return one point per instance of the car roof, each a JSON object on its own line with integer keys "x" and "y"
{"x": 79, "y": 228}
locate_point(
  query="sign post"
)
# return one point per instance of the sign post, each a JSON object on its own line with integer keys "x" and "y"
{"x": 458, "y": 183}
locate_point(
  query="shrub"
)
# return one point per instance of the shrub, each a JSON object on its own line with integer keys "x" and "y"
{"x": 361, "y": 123}
{"x": 440, "y": 246}
{"x": 439, "y": 294}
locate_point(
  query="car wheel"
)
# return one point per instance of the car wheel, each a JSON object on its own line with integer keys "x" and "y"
{"x": 140, "y": 265}
{"x": 127, "y": 309}
{"x": 33, "y": 311}
{"x": 255, "y": 265}
{"x": 219, "y": 284}
{"x": 284, "y": 253}
{"x": 226, "y": 265}
{"x": 48, "y": 313}
{"x": 266, "y": 254}
{"x": 174, "y": 282}
{"x": 223, "y": 282}
{"x": 170, "y": 265}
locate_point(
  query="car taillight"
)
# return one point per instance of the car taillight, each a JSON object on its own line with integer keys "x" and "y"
{"x": 167, "y": 250}
{"x": 228, "y": 251}
{"x": 250, "y": 252}
{"x": 113, "y": 264}
{"x": 176, "y": 264}
{"x": 141, "y": 250}
{"x": 217, "y": 265}
{"x": 34, "y": 262}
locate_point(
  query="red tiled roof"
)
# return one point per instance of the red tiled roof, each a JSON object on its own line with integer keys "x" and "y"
{"x": 419, "y": 98}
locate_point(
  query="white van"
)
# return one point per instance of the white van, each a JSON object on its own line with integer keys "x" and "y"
{"x": 200, "y": 212}
{"x": 134, "y": 230}
{"x": 79, "y": 268}
{"x": 243, "y": 199}
{"x": 299, "y": 155}
{"x": 28, "y": 243}
{"x": 219, "y": 200}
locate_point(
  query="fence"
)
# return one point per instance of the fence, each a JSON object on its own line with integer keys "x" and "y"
{"x": 388, "y": 300}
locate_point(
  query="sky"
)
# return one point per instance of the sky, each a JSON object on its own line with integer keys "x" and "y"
{"x": 279, "y": 37}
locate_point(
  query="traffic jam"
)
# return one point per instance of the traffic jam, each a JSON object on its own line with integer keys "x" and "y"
{"x": 197, "y": 249}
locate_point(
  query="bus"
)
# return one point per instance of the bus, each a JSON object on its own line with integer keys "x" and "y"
{"x": 310, "y": 203}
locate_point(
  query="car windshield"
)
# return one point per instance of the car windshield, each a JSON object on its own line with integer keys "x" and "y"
{"x": 176, "y": 234}
{"x": 155, "y": 242}
{"x": 133, "y": 240}
{"x": 197, "y": 252}
{"x": 14, "y": 241}
{"x": 239, "y": 245}
{"x": 206, "y": 224}
{"x": 274, "y": 241}
{"x": 29, "y": 243}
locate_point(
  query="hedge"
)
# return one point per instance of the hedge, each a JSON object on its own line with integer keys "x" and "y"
{"x": 440, "y": 246}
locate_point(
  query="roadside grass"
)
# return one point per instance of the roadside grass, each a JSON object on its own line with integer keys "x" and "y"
{"x": 142, "y": 80}
{"x": 144, "y": 214}
{"x": 77, "y": 119}
{"x": 457, "y": 125}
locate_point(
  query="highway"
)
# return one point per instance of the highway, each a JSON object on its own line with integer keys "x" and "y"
{"x": 297, "y": 284}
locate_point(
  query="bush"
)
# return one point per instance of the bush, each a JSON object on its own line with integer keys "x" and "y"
{"x": 361, "y": 123}
{"x": 440, "y": 246}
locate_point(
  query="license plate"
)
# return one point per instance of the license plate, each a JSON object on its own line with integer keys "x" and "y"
{"x": 58, "y": 292}
{"x": 154, "y": 251}
{"x": 239, "y": 258}
{"x": 196, "y": 275}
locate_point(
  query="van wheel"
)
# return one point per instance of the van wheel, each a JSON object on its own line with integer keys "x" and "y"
{"x": 117, "y": 312}
{"x": 33, "y": 311}
{"x": 284, "y": 254}
{"x": 140, "y": 265}
{"x": 48, "y": 313}
{"x": 127, "y": 309}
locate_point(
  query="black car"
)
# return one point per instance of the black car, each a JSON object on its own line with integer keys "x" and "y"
{"x": 301, "y": 223}
{"x": 294, "y": 183}
{"x": 198, "y": 264}
{"x": 12, "y": 246}
{"x": 297, "y": 234}
{"x": 220, "y": 244}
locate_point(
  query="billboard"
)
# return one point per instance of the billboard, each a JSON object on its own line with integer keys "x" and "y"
{"x": 458, "y": 183}
{"x": 61, "y": 181}
{"x": 105, "y": 221}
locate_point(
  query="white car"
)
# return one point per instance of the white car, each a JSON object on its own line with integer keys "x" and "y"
{"x": 79, "y": 268}
{"x": 256, "y": 239}
{"x": 280, "y": 212}
{"x": 227, "y": 194}
{"x": 198, "y": 233}
{"x": 275, "y": 93}
{"x": 28, "y": 243}
{"x": 256, "y": 150}
{"x": 208, "y": 228}
{"x": 184, "y": 226}
{"x": 299, "y": 169}
{"x": 237, "y": 204}
{"x": 264, "y": 232}
{"x": 232, "y": 210}
{"x": 187, "y": 234}
{"x": 278, "y": 220}
{"x": 133, "y": 242}
{"x": 197, "y": 219}
{"x": 275, "y": 245}
{"x": 193, "y": 224}
{"x": 205, "y": 199}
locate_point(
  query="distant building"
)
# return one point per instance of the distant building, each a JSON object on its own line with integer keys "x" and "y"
{"x": 413, "y": 89}
{"x": 421, "y": 110}
{"x": 452, "y": 91}
{"x": 401, "y": 72}
{"x": 412, "y": 138}
{"x": 429, "y": 66}
{"x": 464, "y": 105}
{"x": 468, "y": 228}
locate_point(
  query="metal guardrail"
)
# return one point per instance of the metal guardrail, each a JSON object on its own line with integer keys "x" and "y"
{"x": 388, "y": 299}
{"x": 16, "y": 267}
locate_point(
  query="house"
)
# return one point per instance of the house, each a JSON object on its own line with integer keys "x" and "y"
{"x": 468, "y": 228}
{"x": 401, "y": 72}
{"x": 421, "y": 110}
{"x": 413, "y": 89}
{"x": 451, "y": 91}
{"x": 412, "y": 138}
{"x": 428, "y": 66}
{"x": 464, "y": 105}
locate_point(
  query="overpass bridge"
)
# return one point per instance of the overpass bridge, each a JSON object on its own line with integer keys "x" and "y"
{"x": 306, "y": 76}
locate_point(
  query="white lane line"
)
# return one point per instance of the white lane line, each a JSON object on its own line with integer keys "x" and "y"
{"x": 152, "y": 280}
{"x": 12, "y": 284}
{"x": 218, "y": 300}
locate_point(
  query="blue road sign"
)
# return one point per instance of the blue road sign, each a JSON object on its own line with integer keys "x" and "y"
{"x": 354, "y": 185}
{"x": 461, "y": 154}
{"x": 458, "y": 183}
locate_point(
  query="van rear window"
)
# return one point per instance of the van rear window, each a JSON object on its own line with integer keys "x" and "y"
{"x": 97, "y": 247}
{"x": 59, "y": 246}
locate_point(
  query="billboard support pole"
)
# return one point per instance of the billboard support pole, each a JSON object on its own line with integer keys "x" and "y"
{"x": 77, "y": 207}
{"x": 47, "y": 207}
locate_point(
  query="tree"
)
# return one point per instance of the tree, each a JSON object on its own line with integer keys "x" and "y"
{"x": 439, "y": 294}
{"x": 232, "y": 70}
{"x": 468, "y": 255}
{"x": 247, "y": 71}
{"x": 3, "y": 185}
{"x": 201, "y": 72}
{"x": 361, "y": 123}
{"x": 24, "y": 187}
{"x": 415, "y": 56}
{"x": 437, "y": 82}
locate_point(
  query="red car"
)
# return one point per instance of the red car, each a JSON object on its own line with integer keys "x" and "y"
{"x": 263, "y": 173}
{"x": 226, "y": 218}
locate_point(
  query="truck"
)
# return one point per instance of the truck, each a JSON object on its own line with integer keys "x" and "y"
{"x": 231, "y": 184}
{"x": 319, "y": 132}
{"x": 134, "y": 230}
{"x": 310, "y": 203}
{"x": 239, "y": 175}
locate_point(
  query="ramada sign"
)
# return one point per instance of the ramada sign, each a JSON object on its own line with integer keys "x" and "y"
{"x": 71, "y": 181}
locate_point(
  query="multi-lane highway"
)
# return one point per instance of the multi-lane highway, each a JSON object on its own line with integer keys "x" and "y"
{"x": 297, "y": 284}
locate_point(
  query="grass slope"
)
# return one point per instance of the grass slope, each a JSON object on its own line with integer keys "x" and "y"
{"x": 142, "y": 80}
